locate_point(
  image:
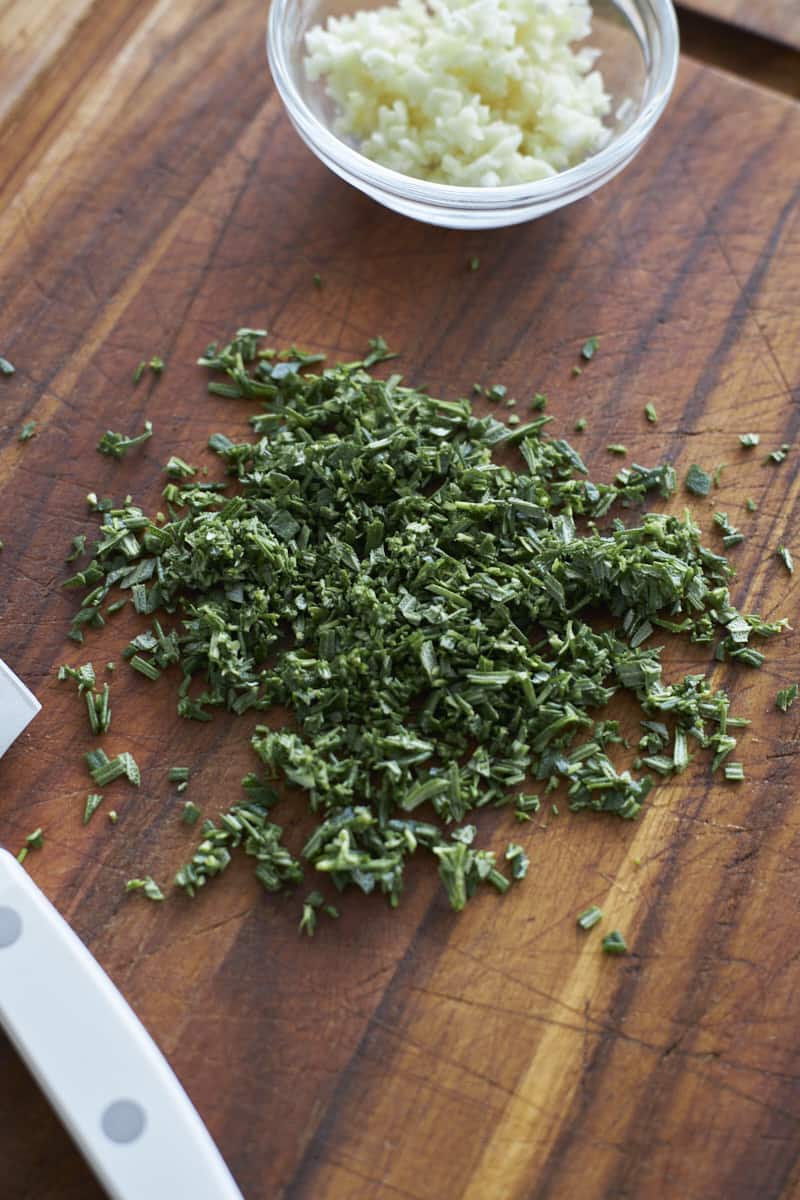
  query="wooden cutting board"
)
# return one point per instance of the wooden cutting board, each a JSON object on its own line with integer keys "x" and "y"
{"x": 775, "y": 19}
{"x": 153, "y": 197}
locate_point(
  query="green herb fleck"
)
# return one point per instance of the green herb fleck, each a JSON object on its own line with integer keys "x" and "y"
{"x": 749, "y": 439}
{"x": 731, "y": 536}
{"x": 785, "y": 555}
{"x": 589, "y": 348}
{"x": 734, "y": 772}
{"x": 473, "y": 264}
{"x": 147, "y": 886}
{"x": 617, "y": 448}
{"x": 191, "y": 813}
{"x": 113, "y": 816}
{"x": 139, "y": 372}
{"x": 317, "y": 280}
{"x": 778, "y": 456}
{"x": 179, "y": 774}
{"x": 93, "y": 802}
{"x": 589, "y": 917}
{"x": 614, "y": 943}
{"x": 651, "y": 414}
{"x": 518, "y": 860}
{"x": 6, "y": 368}
{"x": 539, "y": 402}
{"x": 576, "y": 370}
{"x": 717, "y": 475}
{"x": 580, "y": 424}
{"x": 751, "y": 505}
{"x": 786, "y": 697}
{"x": 34, "y": 841}
{"x": 105, "y": 770}
{"x": 156, "y": 364}
{"x": 28, "y": 431}
{"x": 698, "y": 481}
{"x": 117, "y": 444}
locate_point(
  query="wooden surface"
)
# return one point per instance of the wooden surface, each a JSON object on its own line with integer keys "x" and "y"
{"x": 776, "y": 19}
{"x": 152, "y": 197}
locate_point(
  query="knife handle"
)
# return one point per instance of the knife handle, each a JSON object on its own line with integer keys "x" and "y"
{"x": 101, "y": 1071}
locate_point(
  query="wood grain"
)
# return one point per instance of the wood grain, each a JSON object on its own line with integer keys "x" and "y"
{"x": 160, "y": 200}
{"x": 776, "y": 19}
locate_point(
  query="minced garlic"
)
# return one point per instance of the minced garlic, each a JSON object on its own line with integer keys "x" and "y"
{"x": 478, "y": 93}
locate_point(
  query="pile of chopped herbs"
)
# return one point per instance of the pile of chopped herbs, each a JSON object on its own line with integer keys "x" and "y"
{"x": 442, "y": 607}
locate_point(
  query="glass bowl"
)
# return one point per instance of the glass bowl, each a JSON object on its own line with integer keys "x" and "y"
{"x": 638, "y": 40}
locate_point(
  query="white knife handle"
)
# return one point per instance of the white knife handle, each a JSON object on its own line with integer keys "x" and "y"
{"x": 110, "y": 1085}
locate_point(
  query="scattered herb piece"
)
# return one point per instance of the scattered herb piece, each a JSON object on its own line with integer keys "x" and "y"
{"x": 496, "y": 392}
{"x": 78, "y": 547}
{"x": 191, "y": 813}
{"x": 156, "y": 364}
{"x": 651, "y": 414}
{"x": 113, "y": 817}
{"x": 786, "y": 697}
{"x": 34, "y": 841}
{"x": 778, "y": 456}
{"x": 317, "y": 280}
{"x": 145, "y": 667}
{"x": 698, "y": 481}
{"x": 105, "y": 770}
{"x": 28, "y": 431}
{"x": 93, "y": 802}
{"x": 117, "y": 444}
{"x": 179, "y": 774}
{"x": 6, "y": 368}
{"x": 139, "y": 372}
{"x": 749, "y": 440}
{"x": 539, "y": 402}
{"x": 178, "y": 469}
{"x": 518, "y": 860}
{"x": 589, "y": 917}
{"x": 717, "y": 475}
{"x": 589, "y": 348}
{"x": 751, "y": 504}
{"x": 513, "y": 419}
{"x": 473, "y": 264}
{"x": 147, "y": 886}
{"x": 731, "y": 536}
{"x": 734, "y": 772}
{"x": 614, "y": 943}
{"x": 580, "y": 424}
{"x": 313, "y": 904}
{"x": 785, "y": 555}
{"x": 617, "y": 448}
{"x": 576, "y": 370}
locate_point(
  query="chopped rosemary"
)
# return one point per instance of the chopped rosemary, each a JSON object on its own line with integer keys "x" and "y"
{"x": 749, "y": 440}
{"x": 27, "y": 432}
{"x": 778, "y": 456}
{"x": 751, "y": 505}
{"x": 786, "y": 697}
{"x": 117, "y": 444}
{"x": 6, "y": 368}
{"x": 93, "y": 802}
{"x": 539, "y": 402}
{"x": 441, "y": 629}
{"x": 589, "y": 348}
{"x": 139, "y": 372}
{"x": 105, "y": 770}
{"x": 313, "y": 904}
{"x": 156, "y": 364}
{"x": 731, "y": 536}
{"x": 734, "y": 772}
{"x": 589, "y": 917}
{"x": 651, "y": 414}
{"x": 617, "y": 448}
{"x": 191, "y": 813}
{"x": 179, "y": 774}
{"x": 614, "y": 943}
{"x": 147, "y": 886}
{"x": 785, "y": 555}
{"x": 518, "y": 860}
{"x": 580, "y": 424}
{"x": 698, "y": 481}
{"x": 34, "y": 841}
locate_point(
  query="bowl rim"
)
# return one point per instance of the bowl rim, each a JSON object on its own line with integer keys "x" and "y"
{"x": 447, "y": 195}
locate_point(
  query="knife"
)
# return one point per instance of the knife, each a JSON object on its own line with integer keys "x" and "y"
{"x": 100, "y": 1069}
